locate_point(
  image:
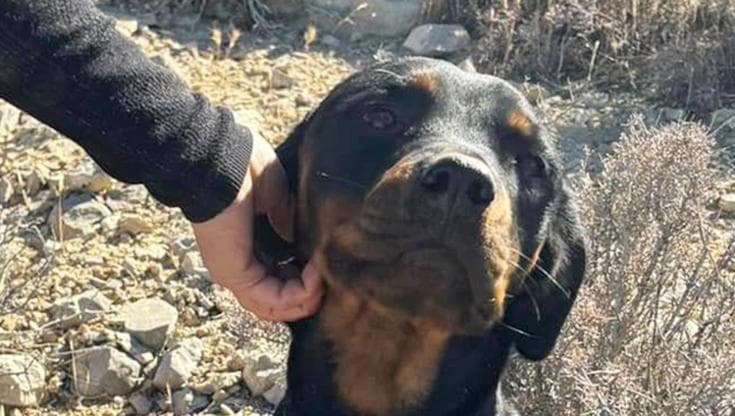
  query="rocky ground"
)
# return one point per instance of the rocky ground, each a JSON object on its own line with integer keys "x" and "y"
{"x": 105, "y": 307}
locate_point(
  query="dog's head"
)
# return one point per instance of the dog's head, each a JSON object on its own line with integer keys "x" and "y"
{"x": 435, "y": 194}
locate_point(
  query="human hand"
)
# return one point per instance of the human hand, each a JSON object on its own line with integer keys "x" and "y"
{"x": 226, "y": 244}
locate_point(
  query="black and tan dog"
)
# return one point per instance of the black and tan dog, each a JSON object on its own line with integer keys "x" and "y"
{"x": 434, "y": 205}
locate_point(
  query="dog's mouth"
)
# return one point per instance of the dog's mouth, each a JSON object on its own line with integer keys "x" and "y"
{"x": 449, "y": 270}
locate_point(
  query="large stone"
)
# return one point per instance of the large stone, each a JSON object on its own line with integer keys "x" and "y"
{"x": 437, "y": 40}
{"x": 87, "y": 177}
{"x": 384, "y": 18}
{"x": 80, "y": 308}
{"x": 81, "y": 216}
{"x": 178, "y": 364}
{"x": 22, "y": 380}
{"x": 151, "y": 321}
{"x": 105, "y": 371}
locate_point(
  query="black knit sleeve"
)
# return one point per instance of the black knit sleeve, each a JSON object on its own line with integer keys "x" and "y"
{"x": 63, "y": 62}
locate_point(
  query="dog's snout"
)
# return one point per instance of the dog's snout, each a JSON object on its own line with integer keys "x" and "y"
{"x": 459, "y": 177}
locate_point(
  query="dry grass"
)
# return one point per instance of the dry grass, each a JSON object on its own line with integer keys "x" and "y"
{"x": 681, "y": 51}
{"x": 652, "y": 333}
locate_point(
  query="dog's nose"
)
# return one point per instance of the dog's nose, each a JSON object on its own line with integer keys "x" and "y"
{"x": 460, "y": 177}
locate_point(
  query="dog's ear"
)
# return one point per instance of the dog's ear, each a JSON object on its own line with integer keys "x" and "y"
{"x": 288, "y": 151}
{"x": 544, "y": 299}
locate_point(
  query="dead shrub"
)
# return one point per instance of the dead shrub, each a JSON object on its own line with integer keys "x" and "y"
{"x": 20, "y": 281}
{"x": 652, "y": 332}
{"x": 680, "y": 50}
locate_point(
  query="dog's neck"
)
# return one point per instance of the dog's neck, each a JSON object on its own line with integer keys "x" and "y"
{"x": 383, "y": 363}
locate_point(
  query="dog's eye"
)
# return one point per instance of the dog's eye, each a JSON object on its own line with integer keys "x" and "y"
{"x": 380, "y": 118}
{"x": 530, "y": 166}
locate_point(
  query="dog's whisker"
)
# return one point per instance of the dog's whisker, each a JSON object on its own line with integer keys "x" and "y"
{"x": 544, "y": 272}
{"x": 516, "y": 330}
{"x": 342, "y": 180}
{"x": 536, "y": 307}
{"x": 391, "y": 73}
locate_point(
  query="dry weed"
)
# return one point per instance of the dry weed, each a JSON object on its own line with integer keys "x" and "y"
{"x": 680, "y": 51}
{"x": 652, "y": 333}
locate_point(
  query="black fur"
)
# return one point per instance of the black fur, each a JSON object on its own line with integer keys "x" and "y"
{"x": 469, "y": 377}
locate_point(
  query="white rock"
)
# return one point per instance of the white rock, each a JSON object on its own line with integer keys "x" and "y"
{"x": 727, "y": 203}
{"x": 151, "y": 321}
{"x": 105, "y": 371}
{"x": 178, "y": 364}
{"x": 437, "y": 39}
{"x": 134, "y": 224}
{"x": 87, "y": 177}
{"x": 22, "y": 380}
{"x": 81, "y": 216}
{"x": 80, "y": 308}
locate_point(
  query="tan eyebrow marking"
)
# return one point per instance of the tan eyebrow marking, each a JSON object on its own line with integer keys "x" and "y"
{"x": 425, "y": 81}
{"x": 517, "y": 120}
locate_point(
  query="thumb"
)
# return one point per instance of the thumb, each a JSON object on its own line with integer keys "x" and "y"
{"x": 272, "y": 196}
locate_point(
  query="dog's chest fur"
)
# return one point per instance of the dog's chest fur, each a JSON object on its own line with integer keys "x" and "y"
{"x": 382, "y": 363}
{"x": 462, "y": 382}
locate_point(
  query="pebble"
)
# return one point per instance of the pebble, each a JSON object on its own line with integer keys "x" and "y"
{"x": 87, "y": 177}
{"x": 134, "y": 224}
{"x": 22, "y": 380}
{"x": 219, "y": 381}
{"x": 727, "y": 203}
{"x": 191, "y": 263}
{"x": 279, "y": 79}
{"x": 81, "y": 308}
{"x": 151, "y": 321}
{"x": 6, "y": 191}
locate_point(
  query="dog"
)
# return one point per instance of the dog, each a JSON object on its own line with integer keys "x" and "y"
{"x": 433, "y": 203}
